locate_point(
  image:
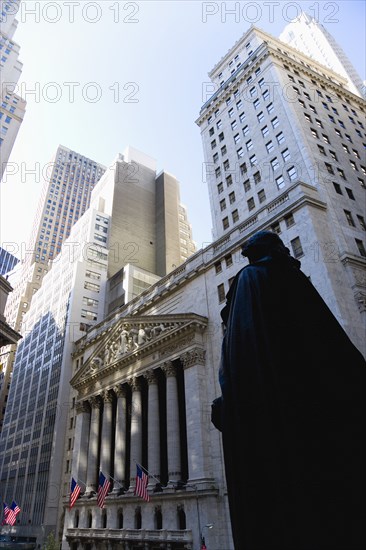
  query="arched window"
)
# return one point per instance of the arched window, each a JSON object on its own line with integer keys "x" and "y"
{"x": 120, "y": 519}
{"x": 138, "y": 521}
{"x": 182, "y": 524}
{"x": 89, "y": 520}
{"x": 158, "y": 518}
{"x": 76, "y": 518}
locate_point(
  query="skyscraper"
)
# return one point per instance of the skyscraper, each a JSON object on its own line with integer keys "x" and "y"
{"x": 124, "y": 242}
{"x": 69, "y": 180}
{"x": 283, "y": 140}
{"x": 310, "y": 37}
{"x": 12, "y": 107}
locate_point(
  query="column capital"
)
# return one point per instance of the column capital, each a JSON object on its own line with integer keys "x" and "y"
{"x": 194, "y": 356}
{"x": 169, "y": 368}
{"x": 151, "y": 376}
{"x": 120, "y": 390}
{"x": 82, "y": 407}
{"x": 107, "y": 396}
{"x": 135, "y": 383}
{"x": 95, "y": 402}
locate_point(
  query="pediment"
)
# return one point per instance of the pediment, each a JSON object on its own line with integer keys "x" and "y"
{"x": 134, "y": 337}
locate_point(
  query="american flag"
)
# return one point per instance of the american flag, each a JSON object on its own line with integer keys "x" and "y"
{"x": 141, "y": 483}
{"x": 5, "y": 513}
{"x": 74, "y": 493}
{"x": 11, "y": 516}
{"x": 103, "y": 489}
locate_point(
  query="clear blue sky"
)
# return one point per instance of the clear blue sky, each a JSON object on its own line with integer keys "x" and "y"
{"x": 148, "y": 61}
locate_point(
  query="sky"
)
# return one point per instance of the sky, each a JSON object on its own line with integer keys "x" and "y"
{"x": 100, "y": 76}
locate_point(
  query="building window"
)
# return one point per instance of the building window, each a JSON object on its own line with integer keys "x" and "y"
{"x": 353, "y": 164}
{"x": 321, "y": 149}
{"x": 231, "y": 112}
{"x": 228, "y": 260}
{"x": 223, "y": 150}
{"x": 232, "y": 197}
{"x": 221, "y": 292}
{"x": 235, "y": 216}
{"x": 218, "y": 172}
{"x": 222, "y": 204}
{"x": 350, "y": 193}
{"x": 253, "y": 160}
{"x": 361, "y": 247}
{"x": 218, "y": 267}
{"x": 213, "y": 144}
{"x": 325, "y": 138}
{"x": 237, "y": 138}
{"x": 337, "y": 188}
{"x": 329, "y": 167}
{"x": 234, "y": 125}
{"x": 257, "y": 177}
{"x": 256, "y": 104}
{"x": 296, "y": 247}
{"x": 280, "y": 137}
{"x": 280, "y": 182}
{"x": 251, "y": 203}
{"x": 265, "y": 131}
{"x": 242, "y": 117}
{"x": 246, "y": 185}
{"x": 261, "y": 195}
{"x": 333, "y": 155}
{"x": 211, "y": 131}
{"x": 276, "y": 228}
{"x": 220, "y": 188}
{"x": 243, "y": 168}
{"x": 260, "y": 116}
{"x": 249, "y": 145}
{"x": 245, "y": 130}
{"x": 270, "y": 108}
{"x": 215, "y": 158}
{"x": 275, "y": 164}
{"x": 362, "y": 222}
{"x": 221, "y": 136}
{"x": 286, "y": 155}
{"x": 240, "y": 152}
{"x": 349, "y": 218}
{"x": 292, "y": 173}
{"x": 289, "y": 220}
{"x": 269, "y": 146}
{"x": 314, "y": 133}
{"x": 341, "y": 173}
{"x": 225, "y": 223}
{"x": 229, "y": 180}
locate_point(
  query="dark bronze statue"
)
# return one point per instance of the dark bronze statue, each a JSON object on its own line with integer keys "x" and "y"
{"x": 291, "y": 412}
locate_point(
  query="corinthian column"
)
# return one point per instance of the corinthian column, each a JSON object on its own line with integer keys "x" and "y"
{"x": 153, "y": 427}
{"x": 120, "y": 439}
{"x": 173, "y": 428}
{"x": 136, "y": 429}
{"x": 106, "y": 444}
{"x": 92, "y": 470}
{"x": 81, "y": 442}
{"x": 196, "y": 414}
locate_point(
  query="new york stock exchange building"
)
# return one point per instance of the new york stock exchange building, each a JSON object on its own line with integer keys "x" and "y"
{"x": 142, "y": 387}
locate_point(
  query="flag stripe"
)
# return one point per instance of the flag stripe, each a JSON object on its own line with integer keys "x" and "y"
{"x": 75, "y": 492}
{"x": 141, "y": 483}
{"x": 103, "y": 489}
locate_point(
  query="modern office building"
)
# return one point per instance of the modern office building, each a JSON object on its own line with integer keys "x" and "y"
{"x": 125, "y": 242}
{"x": 69, "y": 179}
{"x": 284, "y": 145}
{"x": 310, "y": 37}
{"x": 7, "y": 261}
{"x": 12, "y": 106}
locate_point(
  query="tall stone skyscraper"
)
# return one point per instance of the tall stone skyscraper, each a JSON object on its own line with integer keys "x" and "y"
{"x": 283, "y": 140}
{"x": 12, "y": 106}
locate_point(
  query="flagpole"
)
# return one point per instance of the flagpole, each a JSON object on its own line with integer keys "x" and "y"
{"x": 116, "y": 481}
{"x": 147, "y": 471}
{"x": 81, "y": 481}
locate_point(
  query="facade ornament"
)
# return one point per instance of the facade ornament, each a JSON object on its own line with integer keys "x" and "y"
{"x": 151, "y": 376}
{"x": 95, "y": 402}
{"x": 195, "y": 356}
{"x": 169, "y": 368}
{"x": 120, "y": 391}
